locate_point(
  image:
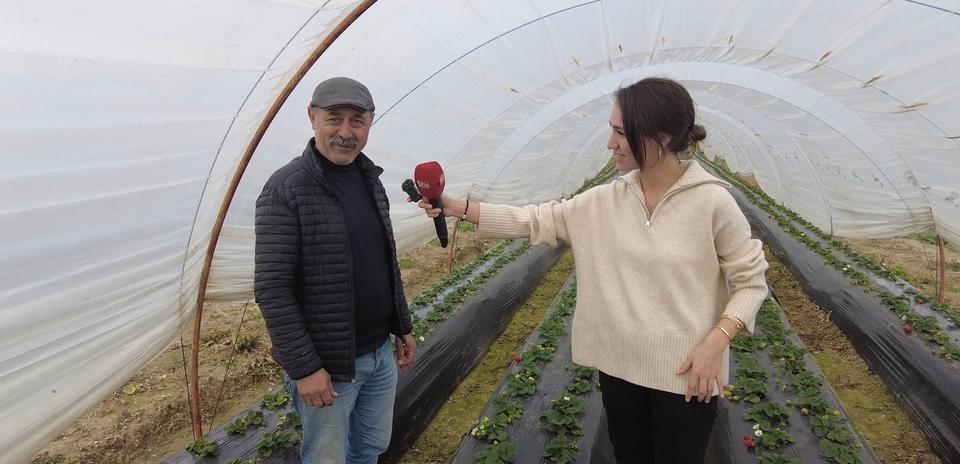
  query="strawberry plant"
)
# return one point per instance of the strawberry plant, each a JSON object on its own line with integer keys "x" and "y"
{"x": 248, "y": 420}
{"x": 747, "y": 343}
{"x": 491, "y": 430}
{"x": 523, "y": 382}
{"x": 841, "y": 454}
{"x": 561, "y": 450}
{"x": 749, "y": 367}
{"x": 204, "y": 447}
{"x": 551, "y": 330}
{"x": 539, "y": 352}
{"x": 750, "y": 390}
{"x": 496, "y": 453}
{"x": 273, "y": 442}
{"x": 582, "y": 380}
{"x": 767, "y": 414}
{"x": 563, "y": 416}
{"x": 276, "y": 400}
{"x": 290, "y": 419}
{"x": 773, "y": 438}
{"x": 508, "y": 408}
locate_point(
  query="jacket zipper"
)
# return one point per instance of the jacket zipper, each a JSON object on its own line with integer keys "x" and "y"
{"x": 670, "y": 193}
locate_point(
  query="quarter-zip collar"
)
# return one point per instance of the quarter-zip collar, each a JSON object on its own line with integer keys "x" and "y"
{"x": 693, "y": 175}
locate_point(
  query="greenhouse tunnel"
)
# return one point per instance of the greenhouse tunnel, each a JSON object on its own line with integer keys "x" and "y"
{"x": 123, "y": 125}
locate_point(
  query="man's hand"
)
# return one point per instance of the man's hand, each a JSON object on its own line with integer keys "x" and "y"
{"x": 406, "y": 351}
{"x": 316, "y": 390}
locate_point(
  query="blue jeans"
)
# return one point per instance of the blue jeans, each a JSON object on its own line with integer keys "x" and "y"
{"x": 356, "y": 428}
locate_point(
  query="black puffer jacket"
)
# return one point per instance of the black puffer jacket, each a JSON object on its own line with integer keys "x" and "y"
{"x": 303, "y": 279}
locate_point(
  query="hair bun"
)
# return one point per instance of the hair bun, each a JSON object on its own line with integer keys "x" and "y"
{"x": 697, "y": 133}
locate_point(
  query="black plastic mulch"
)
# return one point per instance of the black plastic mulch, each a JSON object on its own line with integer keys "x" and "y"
{"x": 444, "y": 359}
{"x": 527, "y": 432}
{"x": 726, "y": 443}
{"x": 925, "y": 384}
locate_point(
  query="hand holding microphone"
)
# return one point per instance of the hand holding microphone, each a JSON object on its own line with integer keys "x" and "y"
{"x": 429, "y": 184}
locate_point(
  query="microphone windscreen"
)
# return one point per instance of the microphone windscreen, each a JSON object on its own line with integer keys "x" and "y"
{"x": 430, "y": 180}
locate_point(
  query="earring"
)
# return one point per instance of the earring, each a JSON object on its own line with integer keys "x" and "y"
{"x": 660, "y": 150}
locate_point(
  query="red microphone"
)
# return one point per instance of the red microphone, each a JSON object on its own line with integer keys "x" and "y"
{"x": 430, "y": 182}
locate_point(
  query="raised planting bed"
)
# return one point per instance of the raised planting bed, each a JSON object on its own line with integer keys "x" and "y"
{"x": 546, "y": 409}
{"x": 909, "y": 343}
{"x": 779, "y": 408}
{"x": 454, "y": 348}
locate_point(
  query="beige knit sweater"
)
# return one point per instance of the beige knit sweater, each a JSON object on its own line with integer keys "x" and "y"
{"x": 649, "y": 288}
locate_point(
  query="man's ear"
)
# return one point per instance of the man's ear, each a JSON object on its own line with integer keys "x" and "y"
{"x": 310, "y": 116}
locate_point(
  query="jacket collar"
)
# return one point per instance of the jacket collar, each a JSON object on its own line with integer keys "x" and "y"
{"x": 312, "y": 162}
{"x": 694, "y": 175}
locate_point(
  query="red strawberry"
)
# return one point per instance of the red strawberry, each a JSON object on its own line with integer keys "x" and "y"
{"x": 748, "y": 441}
{"x": 517, "y": 358}
{"x": 907, "y": 329}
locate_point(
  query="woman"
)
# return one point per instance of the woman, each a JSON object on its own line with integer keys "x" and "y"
{"x": 667, "y": 275}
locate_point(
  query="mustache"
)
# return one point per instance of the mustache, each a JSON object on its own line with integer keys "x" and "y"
{"x": 338, "y": 141}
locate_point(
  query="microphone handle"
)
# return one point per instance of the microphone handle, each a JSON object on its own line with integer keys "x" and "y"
{"x": 440, "y": 223}
{"x": 411, "y": 190}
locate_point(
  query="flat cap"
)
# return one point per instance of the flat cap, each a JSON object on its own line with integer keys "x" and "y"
{"x": 342, "y": 91}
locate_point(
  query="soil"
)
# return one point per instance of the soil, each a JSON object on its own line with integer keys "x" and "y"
{"x": 914, "y": 258}
{"x": 148, "y": 418}
{"x": 875, "y": 414}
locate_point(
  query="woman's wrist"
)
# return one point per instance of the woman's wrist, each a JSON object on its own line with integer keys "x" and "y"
{"x": 456, "y": 208}
{"x": 722, "y": 333}
{"x": 717, "y": 339}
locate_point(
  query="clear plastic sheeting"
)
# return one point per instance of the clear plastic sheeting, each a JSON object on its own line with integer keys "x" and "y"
{"x": 124, "y": 123}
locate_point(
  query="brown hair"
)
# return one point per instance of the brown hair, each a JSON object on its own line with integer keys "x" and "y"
{"x": 658, "y": 105}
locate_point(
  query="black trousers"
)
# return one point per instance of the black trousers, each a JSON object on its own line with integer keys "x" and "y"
{"x": 650, "y": 426}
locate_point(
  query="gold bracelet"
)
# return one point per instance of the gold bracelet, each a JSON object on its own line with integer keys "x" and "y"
{"x": 730, "y": 338}
{"x": 737, "y": 322}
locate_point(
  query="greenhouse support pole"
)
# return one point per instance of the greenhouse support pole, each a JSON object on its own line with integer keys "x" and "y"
{"x": 232, "y": 190}
{"x": 941, "y": 270}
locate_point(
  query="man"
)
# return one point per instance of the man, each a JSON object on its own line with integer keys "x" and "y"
{"x": 328, "y": 283}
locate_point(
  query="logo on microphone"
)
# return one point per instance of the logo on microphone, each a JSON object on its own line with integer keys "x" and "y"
{"x": 423, "y": 185}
